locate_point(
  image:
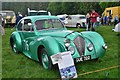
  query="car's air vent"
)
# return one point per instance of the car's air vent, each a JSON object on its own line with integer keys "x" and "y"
{"x": 80, "y": 45}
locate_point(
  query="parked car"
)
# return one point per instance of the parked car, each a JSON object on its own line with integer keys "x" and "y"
{"x": 9, "y": 17}
{"x": 63, "y": 18}
{"x": 40, "y": 12}
{"x": 76, "y": 21}
{"x": 39, "y": 37}
{"x": 117, "y": 28}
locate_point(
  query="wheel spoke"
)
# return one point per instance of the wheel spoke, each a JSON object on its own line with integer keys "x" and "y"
{"x": 45, "y": 60}
{"x": 14, "y": 47}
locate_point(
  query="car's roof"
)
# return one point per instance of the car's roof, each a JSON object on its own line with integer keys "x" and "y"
{"x": 77, "y": 15}
{"x": 38, "y": 17}
{"x": 38, "y": 11}
{"x": 6, "y": 11}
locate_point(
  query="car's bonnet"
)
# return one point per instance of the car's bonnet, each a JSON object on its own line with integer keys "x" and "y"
{"x": 56, "y": 33}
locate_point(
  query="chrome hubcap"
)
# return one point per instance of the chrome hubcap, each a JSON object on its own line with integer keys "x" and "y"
{"x": 14, "y": 47}
{"x": 45, "y": 61}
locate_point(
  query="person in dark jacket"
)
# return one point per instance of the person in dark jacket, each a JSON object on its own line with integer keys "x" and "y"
{"x": 19, "y": 17}
{"x": 109, "y": 19}
{"x": 88, "y": 21}
{"x": 105, "y": 19}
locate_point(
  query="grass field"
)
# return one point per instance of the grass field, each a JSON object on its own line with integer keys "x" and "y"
{"x": 19, "y": 66}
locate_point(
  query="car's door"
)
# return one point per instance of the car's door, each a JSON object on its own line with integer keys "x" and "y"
{"x": 26, "y": 31}
{"x": 69, "y": 20}
{"x": 74, "y": 20}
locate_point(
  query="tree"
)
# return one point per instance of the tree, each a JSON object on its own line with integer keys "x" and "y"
{"x": 104, "y": 5}
{"x": 85, "y": 7}
{"x": 69, "y": 8}
{"x": 22, "y": 6}
{"x": 54, "y": 8}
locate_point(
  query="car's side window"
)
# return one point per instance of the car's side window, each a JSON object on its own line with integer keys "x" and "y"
{"x": 28, "y": 25}
{"x": 69, "y": 17}
{"x": 20, "y": 25}
{"x": 25, "y": 25}
{"x": 39, "y": 24}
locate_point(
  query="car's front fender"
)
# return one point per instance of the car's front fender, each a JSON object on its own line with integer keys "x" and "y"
{"x": 97, "y": 41}
{"x": 17, "y": 39}
{"x": 49, "y": 43}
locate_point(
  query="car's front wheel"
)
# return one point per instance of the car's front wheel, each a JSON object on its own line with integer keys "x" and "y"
{"x": 45, "y": 59}
{"x": 13, "y": 46}
{"x": 96, "y": 59}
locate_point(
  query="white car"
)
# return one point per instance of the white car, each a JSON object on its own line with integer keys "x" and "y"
{"x": 63, "y": 18}
{"x": 117, "y": 27}
{"x": 40, "y": 12}
{"x": 76, "y": 21}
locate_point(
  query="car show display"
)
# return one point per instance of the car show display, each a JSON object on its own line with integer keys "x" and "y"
{"x": 45, "y": 39}
{"x": 117, "y": 28}
{"x": 9, "y": 17}
{"x": 66, "y": 64}
{"x": 40, "y": 12}
{"x": 77, "y": 21}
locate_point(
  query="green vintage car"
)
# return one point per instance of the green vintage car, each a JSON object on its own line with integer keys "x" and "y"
{"x": 39, "y": 37}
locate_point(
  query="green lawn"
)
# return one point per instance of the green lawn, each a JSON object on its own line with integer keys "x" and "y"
{"x": 19, "y": 66}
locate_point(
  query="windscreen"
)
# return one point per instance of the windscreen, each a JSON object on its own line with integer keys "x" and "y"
{"x": 10, "y": 14}
{"x": 82, "y": 17}
{"x": 48, "y": 24}
{"x": 4, "y": 14}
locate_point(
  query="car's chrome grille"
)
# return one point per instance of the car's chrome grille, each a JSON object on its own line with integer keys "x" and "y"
{"x": 8, "y": 20}
{"x": 80, "y": 45}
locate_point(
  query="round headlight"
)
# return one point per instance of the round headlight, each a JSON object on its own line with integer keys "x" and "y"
{"x": 90, "y": 46}
{"x": 71, "y": 49}
{"x": 105, "y": 46}
{"x": 67, "y": 42}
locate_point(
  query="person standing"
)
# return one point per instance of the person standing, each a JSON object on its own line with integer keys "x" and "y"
{"x": 93, "y": 17}
{"x": 88, "y": 22}
{"x": 98, "y": 20}
{"x": 19, "y": 17}
{"x": 102, "y": 21}
{"x": 109, "y": 19}
{"x": 116, "y": 20}
{"x": 1, "y": 27}
{"x": 105, "y": 19}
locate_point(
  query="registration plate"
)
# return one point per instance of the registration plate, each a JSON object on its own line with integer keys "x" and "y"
{"x": 83, "y": 58}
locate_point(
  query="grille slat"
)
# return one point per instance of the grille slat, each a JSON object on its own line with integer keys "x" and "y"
{"x": 80, "y": 45}
{"x": 8, "y": 20}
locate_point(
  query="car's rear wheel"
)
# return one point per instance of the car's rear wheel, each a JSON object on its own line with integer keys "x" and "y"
{"x": 45, "y": 59}
{"x": 78, "y": 25}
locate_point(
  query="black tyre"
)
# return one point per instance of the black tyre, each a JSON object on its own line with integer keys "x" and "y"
{"x": 78, "y": 25}
{"x": 96, "y": 59}
{"x": 13, "y": 46}
{"x": 45, "y": 59}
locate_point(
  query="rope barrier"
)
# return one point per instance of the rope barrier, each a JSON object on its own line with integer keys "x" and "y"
{"x": 99, "y": 70}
